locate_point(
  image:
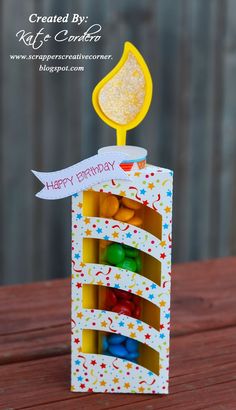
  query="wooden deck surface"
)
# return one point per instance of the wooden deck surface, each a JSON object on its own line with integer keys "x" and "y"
{"x": 35, "y": 345}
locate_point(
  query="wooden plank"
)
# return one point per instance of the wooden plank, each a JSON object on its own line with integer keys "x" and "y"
{"x": 34, "y": 306}
{"x": 35, "y": 344}
{"x": 203, "y": 295}
{"x": 220, "y": 397}
{"x": 37, "y": 324}
{"x": 202, "y": 376}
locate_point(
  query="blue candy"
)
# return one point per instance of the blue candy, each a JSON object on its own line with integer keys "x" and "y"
{"x": 118, "y": 350}
{"x": 131, "y": 345}
{"x": 104, "y": 343}
{"x": 115, "y": 339}
{"x": 132, "y": 356}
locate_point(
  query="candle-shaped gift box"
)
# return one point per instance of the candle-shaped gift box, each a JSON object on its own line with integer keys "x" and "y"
{"x": 121, "y": 254}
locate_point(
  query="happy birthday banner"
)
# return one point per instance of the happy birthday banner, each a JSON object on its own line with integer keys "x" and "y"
{"x": 81, "y": 176}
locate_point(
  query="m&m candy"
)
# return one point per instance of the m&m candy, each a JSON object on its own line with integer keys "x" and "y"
{"x": 117, "y": 350}
{"x": 127, "y": 258}
{"x": 109, "y": 206}
{"x": 137, "y": 312}
{"x": 131, "y": 252}
{"x": 131, "y": 345}
{"x": 111, "y": 298}
{"x": 129, "y": 203}
{"x": 115, "y": 254}
{"x": 124, "y": 214}
{"x": 122, "y": 294}
{"x": 128, "y": 264}
{"x": 104, "y": 343}
{"x": 136, "y": 220}
{"x": 132, "y": 356}
{"x": 122, "y": 308}
{"x": 116, "y": 339}
{"x": 121, "y": 346}
{"x": 138, "y": 261}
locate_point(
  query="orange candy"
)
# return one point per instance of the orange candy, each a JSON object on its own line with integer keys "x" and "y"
{"x": 131, "y": 204}
{"x": 109, "y": 206}
{"x": 124, "y": 214}
{"x": 135, "y": 221}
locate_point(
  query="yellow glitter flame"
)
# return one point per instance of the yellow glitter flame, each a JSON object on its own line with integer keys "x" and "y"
{"x": 123, "y": 97}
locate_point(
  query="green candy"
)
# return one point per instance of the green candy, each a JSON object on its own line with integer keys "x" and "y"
{"x": 115, "y": 254}
{"x": 138, "y": 261}
{"x": 131, "y": 252}
{"x": 128, "y": 264}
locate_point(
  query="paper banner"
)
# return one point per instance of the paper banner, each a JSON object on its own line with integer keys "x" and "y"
{"x": 81, "y": 176}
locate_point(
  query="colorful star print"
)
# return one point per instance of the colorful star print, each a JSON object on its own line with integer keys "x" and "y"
{"x": 92, "y": 372}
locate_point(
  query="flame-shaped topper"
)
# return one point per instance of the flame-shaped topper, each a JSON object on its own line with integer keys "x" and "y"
{"x": 122, "y": 98}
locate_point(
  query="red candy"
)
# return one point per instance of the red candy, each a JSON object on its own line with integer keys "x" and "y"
{"x": 111, "y": 298}
{"x": 120, "y": 301}
{"x": 137, "y": 312}
{"x": 122, "y": 308}
{"x": 128, "y": 303}
{"x": 136, "y": 300}
{"x": 122, "y": 294}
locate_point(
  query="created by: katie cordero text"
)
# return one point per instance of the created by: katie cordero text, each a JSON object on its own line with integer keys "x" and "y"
{"x": 36, "y": 40}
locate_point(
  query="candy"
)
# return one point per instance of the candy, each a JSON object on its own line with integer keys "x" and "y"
{"x": 136, "y": 220}
{"x": 109, "y": 206}
{"x": 137, "y": 312}
{"x": 122, "y": 294}
{"x": 128, "y": 264}
{"x": 124, "y": 214}
{"x": 116, "y": 339}
{"x": 128, "y": 304}
{"x": 125, "y": 257}
{"x": 132, "y": 356}
{"x": 131, "y": 204}
{"x": 115, "y": 254}
{"x": 131, "y": 252}
{"x": 136, "y": 300}
{"x": 131, "y": 345}
{"x": 122, "y": 308}
{"x": 138, "y": 261}
{"x": 118, "y": 350}
{"x": 104, "y": 344}
{"x": 111, "y": 298}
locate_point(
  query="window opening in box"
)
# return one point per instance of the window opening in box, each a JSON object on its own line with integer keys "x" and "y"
{"x": 122, "y": 209}
{"x": 110, "y": 344}
{"x": 121, "y": 256}
{"x": 122, "y": 302}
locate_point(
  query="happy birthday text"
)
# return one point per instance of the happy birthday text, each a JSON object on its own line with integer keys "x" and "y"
{"x": 80, "y": 176}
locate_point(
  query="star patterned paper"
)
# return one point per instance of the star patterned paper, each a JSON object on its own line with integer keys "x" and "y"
{"x": 151, "y": 186}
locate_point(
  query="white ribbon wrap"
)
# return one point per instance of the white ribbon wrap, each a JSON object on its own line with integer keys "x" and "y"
{"x": 81, "y": 176}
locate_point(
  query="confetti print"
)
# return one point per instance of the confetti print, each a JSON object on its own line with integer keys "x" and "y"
{"x": 151, "y": 186}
